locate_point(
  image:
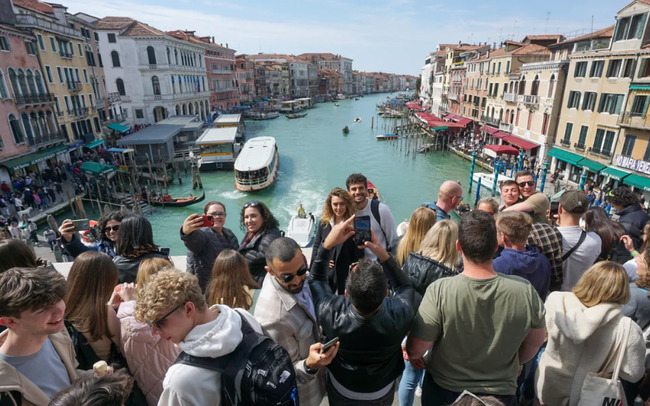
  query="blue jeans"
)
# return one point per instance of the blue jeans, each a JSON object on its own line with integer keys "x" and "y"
{"x": 411, "y": 379}
{"x": 526, "y": 380}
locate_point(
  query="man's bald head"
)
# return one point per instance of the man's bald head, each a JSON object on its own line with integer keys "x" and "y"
{"x": 449, "y": 188}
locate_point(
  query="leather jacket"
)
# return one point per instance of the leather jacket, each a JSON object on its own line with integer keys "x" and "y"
{"x": 422, "y": 272}
{"x": 255, "y": 253}
{"x": 370, "y": 354}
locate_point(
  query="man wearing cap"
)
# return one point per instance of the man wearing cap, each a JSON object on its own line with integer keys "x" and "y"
{"x": 580, "y": 248}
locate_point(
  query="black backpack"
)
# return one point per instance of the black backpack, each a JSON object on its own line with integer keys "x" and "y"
{"x": 257, "y": 372}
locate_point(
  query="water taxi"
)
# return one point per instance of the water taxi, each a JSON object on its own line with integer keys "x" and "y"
{"x": 219, "y": 148}
{"x": 383, "y": 137}
{"x": 256, "y": 167}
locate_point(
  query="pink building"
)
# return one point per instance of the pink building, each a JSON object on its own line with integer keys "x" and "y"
{"x": 245, "y": 73}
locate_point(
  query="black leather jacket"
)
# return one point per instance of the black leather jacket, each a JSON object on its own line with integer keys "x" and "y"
{"x": 255, "y": 253}
{"x": 370, "y": 355}
{"x": 423, "y": 271}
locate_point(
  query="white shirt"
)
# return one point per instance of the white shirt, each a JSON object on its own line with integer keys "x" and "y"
{"x": 387, "y": 225}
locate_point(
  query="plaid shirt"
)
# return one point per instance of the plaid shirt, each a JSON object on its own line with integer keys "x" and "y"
{"x": 548, "y": 241}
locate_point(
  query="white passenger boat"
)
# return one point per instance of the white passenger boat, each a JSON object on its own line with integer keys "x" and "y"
{"x": 219, "y": 148}
{"x": 301, "y": 230}
{"x": 256, "y": 167}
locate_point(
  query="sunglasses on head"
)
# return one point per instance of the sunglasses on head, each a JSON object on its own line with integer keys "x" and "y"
{"x": 289, "y": 278}
{"x": 252, "y": 203}
{"x": 528, "y": 182}
{"x": 114, "y": 228}
{"x": 158, "y": 322}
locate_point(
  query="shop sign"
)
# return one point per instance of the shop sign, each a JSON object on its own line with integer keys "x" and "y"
{"x": 634, "y": 164}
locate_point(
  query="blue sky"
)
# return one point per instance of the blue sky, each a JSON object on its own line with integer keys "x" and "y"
{"x": 382, "y": 35}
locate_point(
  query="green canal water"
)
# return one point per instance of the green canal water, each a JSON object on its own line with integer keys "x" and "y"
{"x": 315, "y": 157}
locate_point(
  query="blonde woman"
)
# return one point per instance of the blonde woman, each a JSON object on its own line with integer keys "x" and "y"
{"x": 583, "y": 326}
{"x": 422, "y": 219}
{"x": 148, "y": 356}
{"x": 231, "y": 283}
{"x": 436, "y": 258}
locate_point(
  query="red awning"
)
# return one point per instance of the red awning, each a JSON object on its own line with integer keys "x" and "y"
{"x": 503, "y": 149}
{"x": 520, "y": 142}
{"x": 413, "y": 105}
{"x": 488, "y": 129}
{"x": 464, "y": 121}
{"x": 451, "y": 116}
{"x": 500, "y": 134}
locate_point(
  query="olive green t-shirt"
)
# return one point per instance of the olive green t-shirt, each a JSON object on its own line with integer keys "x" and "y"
{"x": 541, "y": 205}
{"x": 477, "y": 326}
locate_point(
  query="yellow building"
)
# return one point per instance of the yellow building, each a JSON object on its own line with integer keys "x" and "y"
{"x": 62, "y": 56}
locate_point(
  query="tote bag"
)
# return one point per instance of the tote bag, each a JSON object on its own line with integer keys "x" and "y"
{"x": 603, "y": 388}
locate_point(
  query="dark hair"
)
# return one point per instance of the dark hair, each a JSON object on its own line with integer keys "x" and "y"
{"x": 522, "y": 173}
{"x": 113, "y": 215}
{"x": 622, "y": 196}
{"x": 269, "y": 221}
{"x": 354, "y": 179}
{"x": 15, "y": 253}
{"x": 609, "y": 231}
{"x": 366, "y": 286}
{"x": 135, "y": 234}
{"x": 508, "y": 182}
{"x": 29, "y": 289}
{"x": 107, "y": 390}
{"x": 282, "y": 248}
{"x": 477, "y": 235}
{"x": 212, "y": 203}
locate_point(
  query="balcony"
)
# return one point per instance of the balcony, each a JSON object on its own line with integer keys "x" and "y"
{"x": 65, "y": 55}
{"x": 492, "y": 121}
{"x": 78, "y": 112}
{"x": 600, "y": 152}
{"x": 634, "y": 120}
{"x": 510, "y": 97}
{"x": 25, "y": 20}
{"x": 100, "y": 104}
{"x": 505, "y": 127}
{"x": 452, "y": 97}
{"x": 579, "y": 146}
{"x": 221, "y": 71}
{"x": 45, "y": 98}
{"x": 114, "y": 97}
{"x": 565, "y": 142}
{"x": 44, "y": 139}
{"x": 530, "y": 99}
{"x": 117, "y": 118}
{"x": 74, "y": 86}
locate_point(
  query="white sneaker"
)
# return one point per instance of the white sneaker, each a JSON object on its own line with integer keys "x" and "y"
{"x": 418, "y": 392}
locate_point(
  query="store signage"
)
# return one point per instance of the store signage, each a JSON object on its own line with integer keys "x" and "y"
{"x": 634, "y": 164}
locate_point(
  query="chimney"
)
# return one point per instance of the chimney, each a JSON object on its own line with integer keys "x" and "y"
{"x": 459, "y": 43}
{"x": 213, "y": 40}
{"x": 226, "y": 45}
{"x": 494, "y": 45}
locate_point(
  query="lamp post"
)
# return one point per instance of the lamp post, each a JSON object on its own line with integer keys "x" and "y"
{"x": 544, "y": 172}
{"x": 496, "y": 178}
{"x": 471, "y": 171}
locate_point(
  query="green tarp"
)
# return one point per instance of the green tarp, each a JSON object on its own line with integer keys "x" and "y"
{"x": 614, "y": 173}
{"x": 591, "y": 165}
{"x": 440, "y": 128}
{"x": 30, "y": 159}
{"x": 641, "y": 182}
{"x": 639, "y": 87}
{"x": 94, "y": 144}
{"x": 118, "y": 127}
{"x": 96, "y": 168}
{"x": 565, "y": 156}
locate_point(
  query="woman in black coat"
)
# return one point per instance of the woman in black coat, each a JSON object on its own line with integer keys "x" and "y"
{"x": 338, "y": 207}
{"x": 261, "y": 229}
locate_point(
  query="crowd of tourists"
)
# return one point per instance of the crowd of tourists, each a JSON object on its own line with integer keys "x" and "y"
{"x": 520, "y": 303}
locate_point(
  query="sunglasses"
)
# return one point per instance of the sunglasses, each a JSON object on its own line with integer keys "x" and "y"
{"x": 289, "y": 278}
{"x": 529, "y": 183}
{"x": 114, "y": 228}
{"x": 252, "y": 203}
{"x": 158, "y": 322}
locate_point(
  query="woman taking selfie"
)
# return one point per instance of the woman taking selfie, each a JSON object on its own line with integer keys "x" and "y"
{"x": 109, "y": 226}
{"x": 261, "y": 229}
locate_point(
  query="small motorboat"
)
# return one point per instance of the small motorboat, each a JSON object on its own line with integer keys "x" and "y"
{"x": 174, "y": 201}
{"x": 357, "y": 120}
{"x": 301, "y": 229}
{"x": 373, "y": 193}
{"x": 336, "y": 104}
{"x": 346, "y": 130}
{"x": 292, "y": 116}
{"x": 402, "y": 227}
{"x": 384, "y": 137}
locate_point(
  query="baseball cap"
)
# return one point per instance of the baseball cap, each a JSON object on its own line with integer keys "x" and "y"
{"x": 574, "y": 201}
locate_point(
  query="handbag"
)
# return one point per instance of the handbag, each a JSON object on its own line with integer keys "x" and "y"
{"x": 604, "y": 388}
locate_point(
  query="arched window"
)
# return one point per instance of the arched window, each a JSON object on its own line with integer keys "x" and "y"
{"x": 155, "y": 83}
{"x": 17, "y": 132}
{"x": 522, "y": 86}
{"x": 120, "y": 87}
{"x": 39, "y": 82}
{"x": 28, "y": 128}
{"x": 14, "y": 82}
{"x": 151, "y": 54}
{"x": 535, "y": 87}
{"x": 21, "y": 82}
{"x": 169, "y": 59}
{"x": 30, "y": 82}
{"x": 116, "y": 59}
{"x": 505, "y": 88}
{"x": 3, "y": 87}
{"x": 176, "y": 55}
{"x": 551, "y": 86}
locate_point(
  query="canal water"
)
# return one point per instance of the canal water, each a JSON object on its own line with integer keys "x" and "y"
{"x": 316, "y": 156}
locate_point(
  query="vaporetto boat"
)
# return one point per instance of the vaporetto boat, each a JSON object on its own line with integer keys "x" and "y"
{"x": 256, "y": 167}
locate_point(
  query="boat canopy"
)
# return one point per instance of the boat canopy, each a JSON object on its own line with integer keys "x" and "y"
{"x": 256, "y": 154}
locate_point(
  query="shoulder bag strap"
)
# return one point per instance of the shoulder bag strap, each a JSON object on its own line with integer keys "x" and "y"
{"x": 622, "y": 347}
{"x": 374, "y": 209}
{"x": 583, "y": 235}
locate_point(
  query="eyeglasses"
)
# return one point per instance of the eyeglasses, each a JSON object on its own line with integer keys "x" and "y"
{"x": 114, "y": 228}
{"x": 252, "y": 203}
{"x": 158, "y": 322}
{"x": 221, "y": 214}
{"x": 300, "y": 272}
{"x": 528, "y": 182}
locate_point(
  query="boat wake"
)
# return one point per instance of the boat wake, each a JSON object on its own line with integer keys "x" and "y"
{"x": 233, "y": 195}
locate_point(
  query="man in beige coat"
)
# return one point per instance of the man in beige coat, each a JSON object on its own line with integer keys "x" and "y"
{"x": 285, "y": 311}
{"x": 36, "y": 354}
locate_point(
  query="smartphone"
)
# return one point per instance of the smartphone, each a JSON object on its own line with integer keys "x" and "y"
{"x": 361, "y": 229}
{"x": 208, "y": 221}
{"x": 554, "y": 208}
{"x": 164, "y": 250}
{"x": 326, "y": 346}
{"x": 80, "y": 225}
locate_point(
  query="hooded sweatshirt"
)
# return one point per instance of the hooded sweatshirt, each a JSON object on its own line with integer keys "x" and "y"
{"x": 580, "y": 339}
{"x": 187, "y": 385}
{"x": 528, "y": 264}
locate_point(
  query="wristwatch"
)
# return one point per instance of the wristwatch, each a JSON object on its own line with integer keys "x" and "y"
{"x": 310, "y": 370}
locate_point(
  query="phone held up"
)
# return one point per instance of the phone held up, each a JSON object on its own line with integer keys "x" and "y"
{"x": 164, "y": 250}
{"x": 326, "y": 346}
{"x": 208, "y": 221}
{"x": 81, "y": 225}
{"x": 554, "y": 208}
{"x": 361, "y": 229}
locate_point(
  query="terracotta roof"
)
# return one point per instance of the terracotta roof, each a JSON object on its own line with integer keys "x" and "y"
{"x": 320, "y": 56}
{"x": 509, "y": 41}
{"x": 114, "y": 23}
{"x": 531, "y": 49}
{"x": 141, "y": 29}
{"x": 604, "y": 33}
{"x": 34, "y": 5}
{"x": 128, "y": 27}
{"x": 543, "y": 37}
